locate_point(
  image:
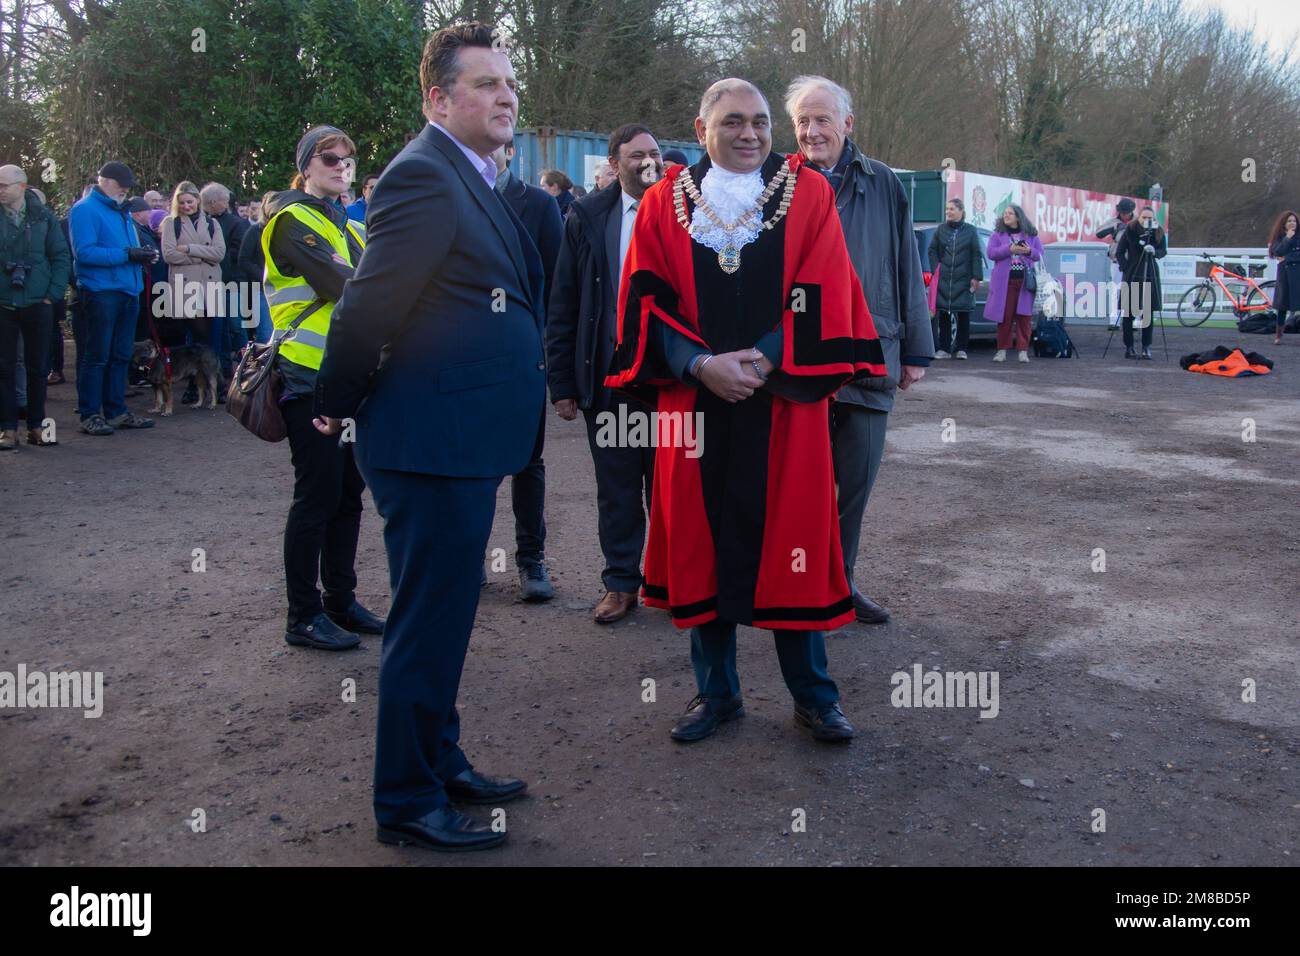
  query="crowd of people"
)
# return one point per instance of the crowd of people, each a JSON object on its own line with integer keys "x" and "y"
{"x": 1135, "y": 244}
{"x": 419, "y": 328}
{"x": 179, "y": 267}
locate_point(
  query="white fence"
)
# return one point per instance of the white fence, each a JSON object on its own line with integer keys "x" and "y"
{"x": 1084, "y": 266}
{"x": 1183, "y": 268}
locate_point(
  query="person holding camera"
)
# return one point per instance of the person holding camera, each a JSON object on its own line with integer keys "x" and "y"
{"x": 1141, "y": 243}
{"x": 35, "y": 260}
{"x": 109, "y": 280}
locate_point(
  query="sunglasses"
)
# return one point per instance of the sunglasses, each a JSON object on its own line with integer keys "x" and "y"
{"x": 331, "y": 160}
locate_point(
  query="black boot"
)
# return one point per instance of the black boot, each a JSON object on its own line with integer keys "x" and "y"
{"x": 321, "y": 633}
{"x": 357, "y": 619}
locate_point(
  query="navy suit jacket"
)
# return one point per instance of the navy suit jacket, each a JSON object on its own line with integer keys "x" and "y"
{"x": 435, "y": 347}
{"x": 540, "y": 214}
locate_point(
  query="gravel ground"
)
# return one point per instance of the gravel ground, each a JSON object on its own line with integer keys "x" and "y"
{"x": 1119, "y": 691}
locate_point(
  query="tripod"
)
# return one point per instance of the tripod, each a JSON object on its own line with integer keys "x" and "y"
{"x": 1164, "y": 339}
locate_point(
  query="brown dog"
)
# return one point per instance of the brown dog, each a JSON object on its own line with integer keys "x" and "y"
{"x": 186, "y": 360}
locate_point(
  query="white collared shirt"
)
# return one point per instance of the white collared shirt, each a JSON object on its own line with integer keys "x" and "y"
{"x": 630, "y": 207}
{"x": 487, "y": 167}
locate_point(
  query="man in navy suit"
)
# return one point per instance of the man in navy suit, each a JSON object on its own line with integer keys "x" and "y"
{"x": 435, "y": 349}
{"x": 537, "y": 210}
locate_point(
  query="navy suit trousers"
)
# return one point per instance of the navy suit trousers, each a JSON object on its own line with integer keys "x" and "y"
{"x": 435, "y": 532}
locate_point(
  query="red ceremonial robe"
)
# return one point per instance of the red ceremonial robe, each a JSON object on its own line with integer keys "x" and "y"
{"x": 747, "y": 531}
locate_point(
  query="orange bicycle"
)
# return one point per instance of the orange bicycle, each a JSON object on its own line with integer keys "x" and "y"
{"x": 1198, "y": 302}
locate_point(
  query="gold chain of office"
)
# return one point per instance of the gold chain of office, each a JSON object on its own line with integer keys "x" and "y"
{"x": 729, "y": 257}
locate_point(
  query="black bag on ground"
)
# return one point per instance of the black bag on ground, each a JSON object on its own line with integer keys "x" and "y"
{"x": 1050, "y": 340}
{"x": 1259, "y": 322}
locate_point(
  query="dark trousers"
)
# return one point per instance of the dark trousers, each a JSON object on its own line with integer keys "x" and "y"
{"x": 228, "y": 333}
{"x": 528, "y": 499}
{"x": 942, "y": 327}
{"x": 624, "y": 482}
{"x": 1147, "y": 333}
{"x": 324, "y": 520}
{"x": 435, "y": 533}
{"x": 33, "y": 322}
{"x": 110, "y": 337}
{"x": 802, "y": 655}
{"x": 77, "y": 311}
{"x": 857, "y": 447}
{"x": 58, "y": 312}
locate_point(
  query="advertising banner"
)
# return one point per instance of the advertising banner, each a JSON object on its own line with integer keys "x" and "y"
{"x": 1062, "y": 214}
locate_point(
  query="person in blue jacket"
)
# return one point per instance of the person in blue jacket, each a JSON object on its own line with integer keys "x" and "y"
{"x": 109, "y": 258}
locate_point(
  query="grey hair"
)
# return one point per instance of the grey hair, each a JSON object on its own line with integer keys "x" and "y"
{"x": 731, "y": 84}
{"x": 214, "y": 191}
{"x": 802, "y": 85}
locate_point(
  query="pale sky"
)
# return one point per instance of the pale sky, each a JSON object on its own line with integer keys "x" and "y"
{"x": 1276, "y": 21}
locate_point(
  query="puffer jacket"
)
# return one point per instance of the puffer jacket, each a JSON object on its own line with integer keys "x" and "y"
{"x": 102, "y": 231}
{"x": 955, "y": 252}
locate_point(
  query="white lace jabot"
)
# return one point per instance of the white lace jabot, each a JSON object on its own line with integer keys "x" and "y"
{"x": 730, "y": 195}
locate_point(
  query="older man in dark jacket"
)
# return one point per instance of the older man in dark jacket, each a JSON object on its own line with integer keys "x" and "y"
{"x": 877, "y": 221}
{"x": 229, "y": 334}
{"x": 34, "y": 263}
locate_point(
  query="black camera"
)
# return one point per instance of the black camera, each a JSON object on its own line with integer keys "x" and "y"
{"x": 17, "y": 274}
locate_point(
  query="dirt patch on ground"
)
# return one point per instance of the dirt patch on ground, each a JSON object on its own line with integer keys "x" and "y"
{"x": 1119, "y": 691}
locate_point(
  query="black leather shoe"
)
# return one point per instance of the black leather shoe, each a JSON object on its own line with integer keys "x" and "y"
{"x": 443, "y": 829}
{"x": 470, "y": 786}
{"x": 703, "y": 716}
{"x": 357, "y": 620}
{"x": 868, "y": 611}
{"x": 829, "y": 724}
{"x": 535, "y": 583}
{"x": 1130, "y": 354}
{"x": 322, "y": 633}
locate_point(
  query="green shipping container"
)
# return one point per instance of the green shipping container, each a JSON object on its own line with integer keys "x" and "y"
{"x": 926, "y": 193}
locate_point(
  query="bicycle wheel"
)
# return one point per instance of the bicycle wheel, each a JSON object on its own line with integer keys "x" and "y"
{"x": 1197, "y": 305}
{"x": 1260, "y": 298}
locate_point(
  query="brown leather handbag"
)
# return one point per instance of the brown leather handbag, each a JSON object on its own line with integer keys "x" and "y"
{"x": 256, "y": 386}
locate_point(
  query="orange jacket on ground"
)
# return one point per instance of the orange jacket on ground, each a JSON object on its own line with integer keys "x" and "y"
{"x": 1229, "y": 363}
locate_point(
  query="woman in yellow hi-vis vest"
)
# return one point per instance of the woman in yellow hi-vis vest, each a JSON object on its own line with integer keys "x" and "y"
{"x": 311, "y": 249}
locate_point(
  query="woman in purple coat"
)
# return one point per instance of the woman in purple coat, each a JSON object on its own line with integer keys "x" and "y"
{"x": 1014, "y": 247}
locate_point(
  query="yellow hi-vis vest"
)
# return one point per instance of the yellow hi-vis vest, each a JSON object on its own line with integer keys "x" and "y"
{"x": 289, "y": 296}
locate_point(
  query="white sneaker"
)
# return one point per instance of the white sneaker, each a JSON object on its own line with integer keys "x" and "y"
{"x": 941, "y": 354}
{"x": 1023, "y": 356}
{"x": 960, "y": 354}
{"x": 1000, "y": 355}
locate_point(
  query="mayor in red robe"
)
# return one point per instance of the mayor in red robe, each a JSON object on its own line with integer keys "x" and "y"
{"x": 739, "y": 317}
